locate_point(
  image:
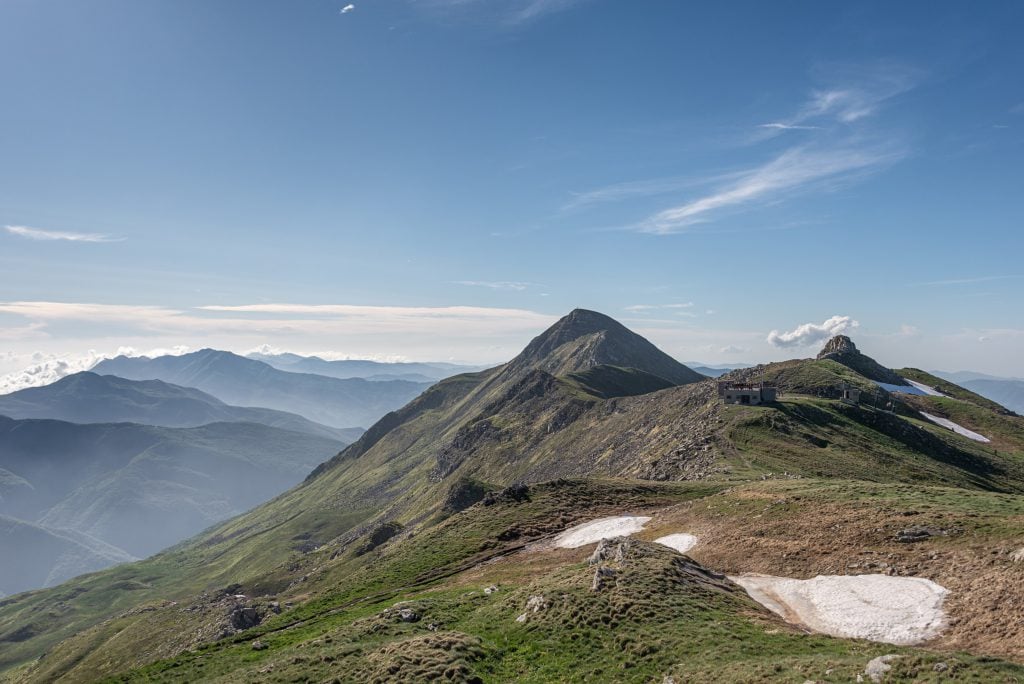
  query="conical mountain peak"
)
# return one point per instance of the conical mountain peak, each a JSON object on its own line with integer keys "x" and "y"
{"x": 584, "y": 339}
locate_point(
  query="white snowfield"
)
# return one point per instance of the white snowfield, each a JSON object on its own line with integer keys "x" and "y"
{"x": 893, "y": 610}
{"x": 681, "y": 542}
{"x": 930, "y": 391}
{"x": 602, "y": 528}
{"x": 913, "y": 388}
{"x": 959, "y": 429}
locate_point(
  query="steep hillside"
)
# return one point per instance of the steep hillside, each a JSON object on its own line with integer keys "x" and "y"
{"x": 91, "y": 398}
{"x": 433, "y": 496}
{"x": 246, "y": 382}
{"x": 141, "y": 488}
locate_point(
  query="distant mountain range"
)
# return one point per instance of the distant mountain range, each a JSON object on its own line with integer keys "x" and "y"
{"x": 133, "y": 488}
{"x": 1006, "y": 391}
{"x": 1009, "y": 393}
{"x": 236, "y": 380}
{"x": 368, "y": 370}
{"x": 91, "y": 398}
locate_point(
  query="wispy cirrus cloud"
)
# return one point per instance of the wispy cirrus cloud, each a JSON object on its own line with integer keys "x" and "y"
{"x": 511, "y": 12}
{"x": 54, "y": 235}
{"x": 967, "y": 281}
{"x": 856, "y": 93}
{"x": 619, "y": 192}
{"x": 496, "y": 284}
{"x": 538, "y": 8}
{"x": 797, "y": 169}
{"x": 347, "y": 8}
{"x": 779, "y": 126}
{"x": 811, "y": 333}
{"x": 637, "y": 308}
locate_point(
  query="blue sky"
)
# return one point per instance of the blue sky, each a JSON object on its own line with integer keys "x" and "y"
{"x": 442, "y": 178}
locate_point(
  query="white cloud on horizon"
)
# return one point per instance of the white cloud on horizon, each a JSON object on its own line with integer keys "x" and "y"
{"x": 809, "y": 334}
{"x": 44, "y": 369}
{"x": 463, "y": 334}
{"x": 58, "y": 235}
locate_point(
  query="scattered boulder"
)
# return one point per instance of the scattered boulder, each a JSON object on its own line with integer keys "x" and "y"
{"x": 613, "y": 550}
{"x": 491, "y": 589}
{"x": 463, "y": 493}
{"x": 913, "y": 534}
{"x": 378, "y": 536}
{"x": 535, "y": 604}
{"x": 877, "y": 667}
{"x": 258, "y": 645}
{"x": 1018, "y": 555}
{"x": 408, "y": 615}
{"x": 601, "y": 575}
{"x": 918, "y": 534}
{"x": 517, "y": 492}
{"x": 244, "y": 617}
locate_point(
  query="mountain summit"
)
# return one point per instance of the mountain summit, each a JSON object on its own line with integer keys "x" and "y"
{"x": 584, "y": 339}
{"x": 841, "y": 349}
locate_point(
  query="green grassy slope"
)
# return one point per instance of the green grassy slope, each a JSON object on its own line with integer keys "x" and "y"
{"x": 661, "y": 614}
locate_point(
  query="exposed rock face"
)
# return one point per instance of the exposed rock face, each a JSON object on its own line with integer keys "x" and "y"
{"x": 462, "y": 494}
{"x": 244, "y": 617}
{"x": 841, "y": 349}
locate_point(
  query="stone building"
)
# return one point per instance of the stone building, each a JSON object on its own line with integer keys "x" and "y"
{"x": 747, "y": 393}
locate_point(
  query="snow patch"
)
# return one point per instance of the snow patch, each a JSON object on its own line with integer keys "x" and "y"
{"x": 602, "y": 528}
{"x": 681, "y": 542}
{"x": 959, "y": 429}
{"x": 893, "y": 610}
{"x": 905, "y": 389}
{"x": 930, "y": 391}
{"x": 915, "y": 388}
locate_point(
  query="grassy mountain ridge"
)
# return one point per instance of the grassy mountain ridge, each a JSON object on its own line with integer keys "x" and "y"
{"x": 432, "y": 467}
